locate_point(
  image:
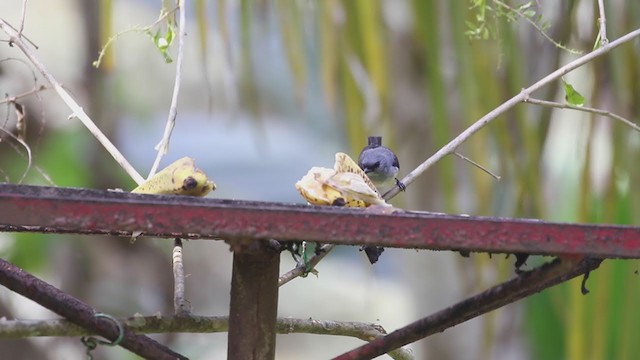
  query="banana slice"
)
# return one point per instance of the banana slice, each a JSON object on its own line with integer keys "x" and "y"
{"x": 313, "y": 187}
{"x": 180, "y": 178}
{"x": 345, "y": 164}
{"x": 344, "y": 185}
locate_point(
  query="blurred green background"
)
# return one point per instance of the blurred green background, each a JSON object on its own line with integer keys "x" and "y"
{"x": 272, "y": 88}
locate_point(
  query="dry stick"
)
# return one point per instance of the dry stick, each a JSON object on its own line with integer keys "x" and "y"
{"x": 304, "y": 268}
{"x": 23, "y": 36}
{"x": 27, "y": 148}
{"x": 180, "y": 305}
{"x": 602, "y": 20}
{"x": 584, "y": 109}
{"x": 163, "y": 145}
{"x": 27, "y": 285}
{"x": 492, "y": 115}
{"x": 29, "y": 161}
{"x": 526, "y": 284}
{"x": 78, "y": 112}
{"x": 17, "y": 329}
{"x": 497, "y": 177}
{"x": 22, "y": 17}
{"x": 14, "y": 98}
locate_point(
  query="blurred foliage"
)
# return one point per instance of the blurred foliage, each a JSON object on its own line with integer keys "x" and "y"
{"x": 418, "y": 73}
{"x": 58, "y": 155}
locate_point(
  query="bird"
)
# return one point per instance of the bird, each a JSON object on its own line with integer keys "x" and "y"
{"x": 380, "y": 164}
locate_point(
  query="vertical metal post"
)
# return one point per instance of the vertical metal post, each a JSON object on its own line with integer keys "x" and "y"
{"x": 254, "y": 302}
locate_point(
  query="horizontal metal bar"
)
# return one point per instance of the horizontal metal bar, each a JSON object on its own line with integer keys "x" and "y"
{"x": 33, "y": 208}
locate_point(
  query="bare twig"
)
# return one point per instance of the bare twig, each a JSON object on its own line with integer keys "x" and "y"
{"x": 493, "y": 114}
{"x": 180, "y": 305}
{"x": 497, "y": 177}
{"x": 71, "y": 103}
{"x": 163, "y": 145}
{"x": 27, "y": 148}
{"x": 14, "y": 98}
{"x": 302, "y": 269}
{"x": 25, "y": 284}
{"x": 602, "y": 22}
{"x": 22, "y": 17}
{"x": 29, "y": 157}
{"x": 16, "y": 329}
{"x": 113, "y": 38}
{"x": 584, "y": 109}
{"x": 537, "y": 27}
{"x": 527, "y": 284}
{"x": 35, "y": 91}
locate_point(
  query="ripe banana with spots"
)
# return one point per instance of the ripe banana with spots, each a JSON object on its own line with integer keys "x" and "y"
{"x": 344, "y": 185}
{"x": 180, "y": 178}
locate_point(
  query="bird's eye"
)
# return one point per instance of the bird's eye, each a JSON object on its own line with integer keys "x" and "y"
{"x": 375, "y": 165}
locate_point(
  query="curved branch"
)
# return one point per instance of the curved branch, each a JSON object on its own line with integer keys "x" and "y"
{"x": 492, "y": 115}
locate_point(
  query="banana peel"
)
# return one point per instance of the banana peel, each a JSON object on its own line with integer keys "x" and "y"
{"x": 182, "y": 177}
{"x": 344, "y": 185}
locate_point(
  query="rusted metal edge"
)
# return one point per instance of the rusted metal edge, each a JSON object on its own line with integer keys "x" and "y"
{"x": 49, "y": 209}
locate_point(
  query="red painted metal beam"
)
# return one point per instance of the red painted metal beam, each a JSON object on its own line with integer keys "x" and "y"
{"x": 47, "y": 209}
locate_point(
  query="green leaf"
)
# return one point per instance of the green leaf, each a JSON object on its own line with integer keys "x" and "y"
{"x": 171, "y": 34}
{"x": 162, "y": 43}
{"x": 572, "y": 96}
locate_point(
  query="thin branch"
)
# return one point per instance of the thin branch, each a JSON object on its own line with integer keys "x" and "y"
{"x": 113, "y": 38}
{"x": 492, "y": 115}
{"x": 40, "y": 102}
{"x": 22, "y": 17}
{"x": 163, "y": 145}
{"x": 27, "y": 148}
{"x": 180, "y": 305}
{"x": 497, "y": 177}
{"x": 17, "y": 329}
{"x": 302, "y": 269}
{"x": 71, "y": 103}
{"x": 29, "y": 157}
{"x": 14, "y": 98}
{"x": 602, "y": 21}
{"x": 527, "y": 284}
{"x": 80, "y": 313}
{"x": 22, "y": 36}
{"x": 537, "y": 27}
{"x": 584, "y": 109}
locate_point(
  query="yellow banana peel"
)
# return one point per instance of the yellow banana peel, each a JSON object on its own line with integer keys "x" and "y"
{"x": 344, "y": 185}
{"x": 180, "y": 178}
